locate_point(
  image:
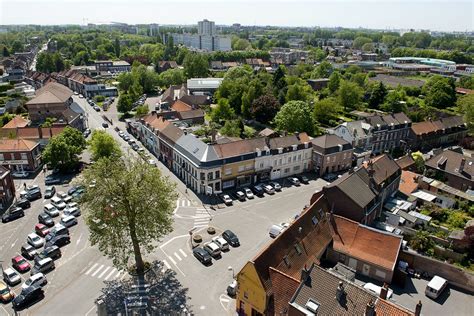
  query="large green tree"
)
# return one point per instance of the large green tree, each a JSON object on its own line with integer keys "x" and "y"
{"x": 326, "y": 110}
{"x": 63, "y": 150}
{"x": 334, "y": 81}
{"x": 196, "y": 65}
{"x": 265, "y": 107}
{"x": 466, "y": 105}
{"x": 395, "y": 101}
{"x": 295, "y": 116}
{"x": 103, "y": 145}
{"x": 222, "y": 112}
{"x": 440, "y": 92}
{"x": 350, "y": 95}
{"x": 377, "y": 95}
{"x": 125, "y": 103}
{"x": 128, "y": 210}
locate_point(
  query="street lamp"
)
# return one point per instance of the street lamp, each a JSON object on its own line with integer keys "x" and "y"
{"x": 231, "y": 269}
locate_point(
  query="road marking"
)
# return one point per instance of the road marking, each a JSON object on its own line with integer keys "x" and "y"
{"x": 201, "y": 220}
{"x": 167, "y": 264}
{"x": 13, "y": 245}
{"x": 92, "y": 268}
{"x": 177, "y": 256}
{"x": 177, "y": 203}
{"x": 171, "y": 259}
{"x": 258, "y": 203}
{"x": 110, "y": 274}
{"x": 183, "y": 253}
{"x": 118, "y": 274}
{"x": 90, "y": 310}
{"x": 224, "y": 299}
{"x": 79, "y": 239}
{"x": 176, "y": 237}
{"x": 97, "y": 271}
{"x": 103, "y": 272}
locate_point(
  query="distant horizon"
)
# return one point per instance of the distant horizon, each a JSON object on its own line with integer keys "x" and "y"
{"x": 381, "y": 15}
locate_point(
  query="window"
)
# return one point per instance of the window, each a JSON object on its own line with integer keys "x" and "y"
{"x": 296, "y": 168}
{"x": 286, "y": 261}
{"x": 298, "y": 249}
{"x": 246, "y": 295}
{"x": 218, "y": 174}
{"x": 261, "y": 165}
{"x": 287, "y": 170}
{"x": 328, "y": 159}
{"x": 209, "y": 176}
{"x": 241, "y": 168}
{"x": 228, "y": 171}
{"x": 274, "y": 163}
{"x": 299, "y": 157}
{"x": 1, "y": 157}
{"x": 203, "y": 177}
{"x": 249, "y": 167}
{"x": 294, "y": 158}
{"x": 314, "y": 220}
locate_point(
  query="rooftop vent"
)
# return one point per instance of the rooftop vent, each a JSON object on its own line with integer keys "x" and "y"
{"x": 312, "y": 306}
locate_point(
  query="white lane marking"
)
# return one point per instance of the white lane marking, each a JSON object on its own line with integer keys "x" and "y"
{"x": 103, "y": 272}
{"x": 167, "y": 264}
{"x": 183, "y": 253}
{"x": 97, "y": 271}
{"x": 92, "y": 268}
{"x": 79, "y": 239}
{"x": 189, "y": 203}
{"x": 201, "y": 209}
{"x": 177, "y": 256}
{"x": 201, "y": 220}
{"x": 13, "y": 245}
{"x": 176, "y": 237}
{"x": 177, "y": 203}
{"x": 258, "y": 203}
{"x": 90, "y": 310}
{"x": 110, "y": 274}
{"x": 118, "y": 274}
{"x": 171, "y": 259}
{"x": 224, "y": 299}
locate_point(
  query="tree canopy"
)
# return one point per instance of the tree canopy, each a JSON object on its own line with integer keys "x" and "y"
{"x": 295, "y": 116}
{"x": 350, "y": 95}
{"x": 63, "y": 150}
{"x": 128, "y": 210}
{"x": 196, "y": 65}
{"x": 265, "y": 107}
{"x": 440, "y": 92}
{"x": 103, "y": 145}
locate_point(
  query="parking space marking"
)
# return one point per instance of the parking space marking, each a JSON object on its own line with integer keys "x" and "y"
{"x": 167, "y": 264}
{"x": 118, "y": 274}
{"x": 171, "y": 259}
{"x": 92, "y": 268}
{"x": 103, "y": 272}
{"x": 97, "y": 271}
{"x": 177, "y": 256}
{"x": 110, "y": 274}
{"x": 183, "y": 253}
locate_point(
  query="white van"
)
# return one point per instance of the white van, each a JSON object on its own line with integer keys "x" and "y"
{"x": 435, "y": 287}
{"x": 276, "y": 230}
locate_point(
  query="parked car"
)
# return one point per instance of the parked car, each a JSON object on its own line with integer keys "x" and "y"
{"x": 20, "y": 264}
{"x": 377, "y": 289}
{"x": 23, "y": 203}
{"x": 6, "y": 294}
{"x": 86, "y": 133}
{"x": 45, "y": 219}
{"x": 268, "y": 189}
{"x": 295, "y": 181}
{"x": 232, "y": 288}
{"x": 68, "y": 221}
{"x": 31, "y": 193}
{"x": 57, "y": 230}
{"x": 41, "y": 229}
{"x": 61, "y": 195}
{"x": 20, "y": 174}
{"x": 202, "y": 255}
{"x": 73, "y": 189}
{"x": 258, "y": 190}
{"x": 44, "y": 265}
{"x": 58, "y": 202}
{"x": 28, "y": 296}
{"x": 52, "y": 252}
{"x": 72, "y": 211}
{"x": 35, "y": 279}
{"x": 105, "y": 125}
{"x": 13, "y": 214}
{"x": 212, "y": 249}
{"x": 221, "y": 242}
{"x": 330, "y": 177}
{"x": 303, "y": 179}
{"x": 435, "y": 287}
{"x": 59, "y": 240}
{"x": 97, "y": 108}
{"x": 240, "y": 195}
{"x": 50, "y": 180}
{"x": 11, "y": 276}
{"x": 51, "y": 210}
{"x": 276, "y": 186}
{"x": 67, "y": 199}
{"x": 35, "y": 240}
{"x": 276, "y": 230}
{"x": 28, "y": 251}
{"x": 49, "y": 192}
{"x": 231, "y": 238}
{"x": 227, "y": 200}
{"x": 248, "y": 193}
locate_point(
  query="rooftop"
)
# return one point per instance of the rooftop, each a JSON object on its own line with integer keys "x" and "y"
{"x": 16, "y": 122}
{"x": 454, "y": 163}
{"x": 9, "y": 145}
{"x": 51, "y": 93}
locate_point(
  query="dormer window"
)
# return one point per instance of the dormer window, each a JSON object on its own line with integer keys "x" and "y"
{"x": 280, "y": 150}
{"x": 295, "y": 147}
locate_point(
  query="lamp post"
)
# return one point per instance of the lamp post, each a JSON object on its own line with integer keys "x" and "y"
{"x": 231, "y": 269}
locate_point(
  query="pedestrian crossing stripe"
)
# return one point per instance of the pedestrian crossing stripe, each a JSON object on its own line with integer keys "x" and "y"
{"x": 183, "y": 253}
{"x": 177, "y": 256}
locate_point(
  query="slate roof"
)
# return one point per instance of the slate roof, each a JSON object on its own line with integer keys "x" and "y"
{"x": 389, "y": 119}
{"x": 172, "y": 133}
{"x": 330, "y": 143}
{"x": 192, "y": 114}
{"x": 440, "y": 125}
{"x": 365, "y": 243}
{"x": 384, "y": 168}
{"x": 195, "y": 100}
{"x": 359, "y": 128}
{"x": 405, "y": 162}
{"x": 51, "y": 93}
{"x": 195, "y": 149}
{"x": 452, "y": 164}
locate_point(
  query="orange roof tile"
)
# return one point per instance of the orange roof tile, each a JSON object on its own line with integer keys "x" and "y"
{"x": 9, "y": 145}
{"x": 386, "y": 308}
{"x": 408, "y": 183}
{"x": 180, "y": 106}
{"x": 364, "y": 243}
{"x": 284, "y": 287}
{"x": 16, "y": 122}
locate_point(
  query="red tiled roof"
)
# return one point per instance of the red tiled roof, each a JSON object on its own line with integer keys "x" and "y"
{"x": 386, "y": 308}
{"x": 284, "y": 287}
{"x": 16, "y": 122}
{"x": 408, "y": 183}
{"x": 9, "y": 145}
{"x": 180, "y": 106}
{"x": 365, "y": 243}
{"x": 405, "y": 161}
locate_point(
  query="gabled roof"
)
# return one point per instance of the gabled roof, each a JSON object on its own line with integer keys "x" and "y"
{"x": 195, "y": 100}
{"x": 440, "y": 125}
{"x": 408, "y": 182}
{"x": 195, "y": 149}
{"x": 172, "y": 133}
{"x": 330, "y": 141}
{"x": 192, "y": 114}
{"x": 16, "y": 122}
{"x": 284, "y": 288}
{"x": 9, "y": 145}
{"x": 51, "y": 93}
{"x": 365, "y": 243}
{"x": 283, "y": 142}
{"x": 384, "y": 167}
{"x": 450, "y": 161}
{"x": 405, "y": 162}
{"x": 156, "y": 122}
{"x": 180, "y": 106}
{"x": 239, "y": 147}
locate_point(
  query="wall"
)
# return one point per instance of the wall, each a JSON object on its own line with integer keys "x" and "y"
{"x": 250, "y": 291}
{"x": 454, "y": 275}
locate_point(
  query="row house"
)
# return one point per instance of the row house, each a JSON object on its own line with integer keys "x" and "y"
{"x": 20, "y": 154}
{"x": 116, "y": 66}
{"x": 456, "y": 169}
{"x": 148, "y": 131}
{"x": 50, "y": 101}
{"x": 432, "y": 134}
{"x": 331, "y": 154}
{"x": 389, "y": 131}
{"x": 83, "y": 84}
{"x": 7, "y": 188}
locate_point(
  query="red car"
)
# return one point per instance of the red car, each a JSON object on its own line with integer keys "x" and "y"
{"x": 41, "y": 230}
{"x": 20, "y": 264}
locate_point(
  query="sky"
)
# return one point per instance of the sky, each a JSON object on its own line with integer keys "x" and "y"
{"x": 442, "y": 15}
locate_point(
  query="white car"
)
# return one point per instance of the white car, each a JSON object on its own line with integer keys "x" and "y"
{"x": 151, "y": 162}
{"x": 227, "y": 199}
{"x": 248, "y": 193}
{"x": 74, "y": 211}
{"x": 35, "y": 240}
{"x": 37, "y": 278}
{"x": 20, "y": 174}
{"x": 269, "y": 189}
{"x": 11, "y": 276}
{"x": 68, "y": 221}
{"x": 377, "y": 289}
{"x": 212, "y": 249}
{"x": 58, "y": 203}
{"x": 295, "y": 181}
{"x": 276, "y": 186}
{"x": 62, "y": 195}
{"x": 221, "y": 242}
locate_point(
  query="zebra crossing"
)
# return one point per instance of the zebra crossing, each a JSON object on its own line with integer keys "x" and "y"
{"x": 174, "y": 258}
{"x": 104, "y": 272}
{"x": 202, "y": 218}
{"x": 183, "y": 203}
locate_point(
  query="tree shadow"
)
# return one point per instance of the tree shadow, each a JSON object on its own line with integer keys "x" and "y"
{"x": 156, "y": 292}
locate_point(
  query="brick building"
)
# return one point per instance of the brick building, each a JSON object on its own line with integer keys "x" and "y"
{"x": 7, "y": 188}
{"x": 20, "y": 155}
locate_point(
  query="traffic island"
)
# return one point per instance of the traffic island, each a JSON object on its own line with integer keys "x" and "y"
{"x": 203, "y": 235}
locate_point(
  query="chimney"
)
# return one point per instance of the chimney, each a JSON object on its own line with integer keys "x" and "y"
{"x": 384, "y": 291}
{"x": 370, "y": 309}
{"x": 304, "y": 274}
{"x": 340, "y": 292}
{"x": 418, "y": 308}
{"x": 463, "y": 163}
